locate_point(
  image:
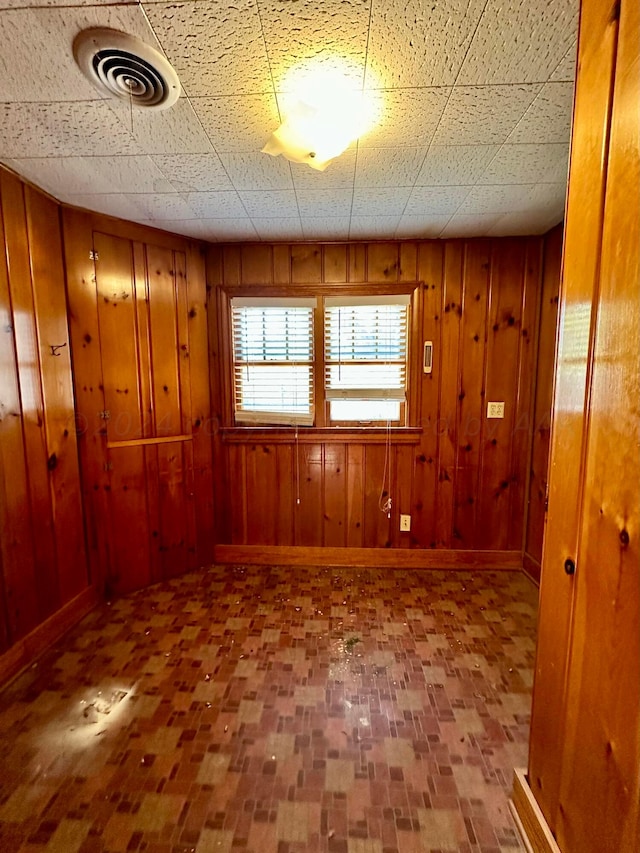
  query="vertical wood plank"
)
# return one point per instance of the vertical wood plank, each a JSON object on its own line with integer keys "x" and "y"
{"x": 130, "y": 554}
{"x": 377, "y": 488}
{"x": 165, "y": 345}
{"x": 425, "y": 486}
{"x": 118, "y": 336}
{"x": 403, "y": 468}
{"x": 261, "y": 473}
{"x": 355, "y": 495}
{"x": 202, "y": 425}
{"x": 173, "y": 509}
{"x": 257, "y": 266}
{"x": 524, "y": 402}
{"x": 32, "y": 405}
{"x": 20, "y": 607}
{"x": 237, "y": 496}
{"x": 88, "y": 386}
{"x": 281, "y": 263}
{"x": 357, "y": 262}
{"x": 308, "y": 513}
{"x": 45, "y": 250}
{"x": 447, "y": 424}
{"x": 306, "y": 263}
{"x": 408, "y": 270}
{"x": 503, "y": 352}
{"x": 285, "y": 494}
{"x": 335, "y": 504}
{"x": 473, "y": 340}
{"x": 546, "y": 351}
{"x": 383, "y": 261}
{"x": 334, "y": 263}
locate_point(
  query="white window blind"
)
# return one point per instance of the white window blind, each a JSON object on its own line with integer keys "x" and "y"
{"x": 273, "y": 360}
{"x": 366, "y": 349}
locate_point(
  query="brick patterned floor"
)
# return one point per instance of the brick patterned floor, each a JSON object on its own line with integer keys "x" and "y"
{"x": 277, "y": 710}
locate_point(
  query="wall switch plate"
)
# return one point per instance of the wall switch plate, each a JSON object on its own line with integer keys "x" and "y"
{"x": 495, "y": 410}
{"x": 405, "y": 523}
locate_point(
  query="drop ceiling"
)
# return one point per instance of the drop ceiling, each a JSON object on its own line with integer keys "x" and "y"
{"x": 473, "y": 140}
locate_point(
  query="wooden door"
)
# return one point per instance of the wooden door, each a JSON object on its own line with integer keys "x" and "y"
{"x": 584, "y": 765}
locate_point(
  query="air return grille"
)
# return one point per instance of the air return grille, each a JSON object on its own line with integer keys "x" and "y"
{"x": 124, "y": 67}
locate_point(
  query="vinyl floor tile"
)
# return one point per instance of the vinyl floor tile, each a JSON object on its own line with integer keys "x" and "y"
{"x": 252, "y": 709}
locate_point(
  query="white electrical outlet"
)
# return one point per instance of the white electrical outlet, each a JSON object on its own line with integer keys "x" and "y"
{"x": 405, "y": 523}
{"x": 495, "y": 410}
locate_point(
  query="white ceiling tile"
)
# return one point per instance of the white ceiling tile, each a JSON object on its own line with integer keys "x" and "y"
{"x": 447, "y": 165}
{"x": 159, "y": 206}
{"x": 173, "y": 131}
{"x": 324, "y": 203}
{"x": 216, "y": 48}
{"x": 409, "y": 118}
{"x": 372, "y": 227}
{"x": 63, "y": 129}
{"x": 338, "y": 174}
{"x": 217, "y": 205}
{"x": 325, "y": 228}
{"x": 388, "y": 167}
{"x": 519, "y": 42}
{"x": 548, "y": 119}
{"x": 238, "y": 123}
{"x": 277, "y": 228}
{"x": 257, "y": 171}
{"x": 298, "y": 32}
{"x": 566, "y": 68}
{"x": 515, "y": 224}
{"x": 214, "y": 230}
{"x": 191, "y": 172}
{"x": 21, "y": 4}
{"x": 434, "y": 200}
{"x": 114, "y": 204}
{"x": 465, "y": 225}
{"x": 483, "y": 115}
{"x": 36, "y": 46}
{"x": 65, "y": 176}
{"x": 264, "y": 203}
{"x": 380, "y": 201}
{"x": 528, "y": 164}
{"x": 412, "y": 43}
{"x": 421, "y": 227}
{"x": 508, "y": 198}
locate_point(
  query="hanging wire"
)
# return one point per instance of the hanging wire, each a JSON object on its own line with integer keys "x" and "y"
{"x": 384, "y": 505}
{"x": 297, "y": 468}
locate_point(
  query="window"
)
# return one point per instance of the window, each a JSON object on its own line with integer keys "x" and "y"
{"x": 359, "y": 375}
{"x": 273, "y": 360}
{"x": 366, "y": 357}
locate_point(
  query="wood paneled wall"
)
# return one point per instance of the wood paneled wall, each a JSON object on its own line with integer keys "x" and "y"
{"x": 584, "y": 764}
{"x": 548, "y": 327}
{"x": 461, "y": 477}
{"x": 139, "y": 334}
{"x": 42, "y": 545}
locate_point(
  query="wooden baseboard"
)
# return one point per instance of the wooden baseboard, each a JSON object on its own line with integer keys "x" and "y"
{"x": 531, "y": 567}
{"x": 528, "y": 817}
{"x": 393, "y": 558}
{"x": 26, "y": 650}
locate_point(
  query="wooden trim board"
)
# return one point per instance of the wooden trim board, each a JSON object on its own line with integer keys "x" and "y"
{"x": 26, "y": 650}
{"x": 528, "y": 817}
{"x": 398, "y": 558}
{"x": 531, "y": 567}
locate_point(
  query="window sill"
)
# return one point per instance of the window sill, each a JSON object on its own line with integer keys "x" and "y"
{"x": 320, "y": 435}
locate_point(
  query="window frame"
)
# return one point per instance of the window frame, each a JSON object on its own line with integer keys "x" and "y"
{"x": 409, "y": 409}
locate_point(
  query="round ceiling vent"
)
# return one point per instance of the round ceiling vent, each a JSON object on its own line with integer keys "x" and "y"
{"x": 124, "y": 67}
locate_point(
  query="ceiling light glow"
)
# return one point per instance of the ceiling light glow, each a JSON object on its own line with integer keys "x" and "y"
{"x": 323, "y": 113}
